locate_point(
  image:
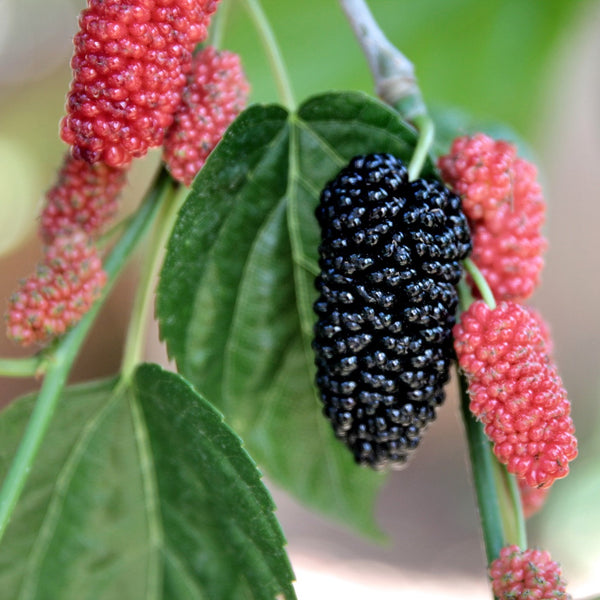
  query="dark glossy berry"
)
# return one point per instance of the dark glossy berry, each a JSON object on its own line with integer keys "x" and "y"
{"x": 389, "y": 260}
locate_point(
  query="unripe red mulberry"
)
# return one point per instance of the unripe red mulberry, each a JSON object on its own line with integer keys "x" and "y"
{"x": 478, "y": 168}
{"x": 61, "y": 291}
{"x": 505, "y": 207}
{"x": 515, "y": 391}
{"x": 83, "y": 199}
{"x": 216, "y": 93}
{"x": 129, "y": 66}
{"x": 526, "y": 574}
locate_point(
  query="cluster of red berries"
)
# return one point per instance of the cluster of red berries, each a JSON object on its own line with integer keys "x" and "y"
{"x": 518, "y": 574}
{"x": 506, "y": 352}
{"x": 216, "y": 93}
{"x": 59, "y": 293}
{"x": 84, "y": 198}
{"x": 130, "y": 64}
{"x": 516, "y": 391}
{"x": 505, "y": 207}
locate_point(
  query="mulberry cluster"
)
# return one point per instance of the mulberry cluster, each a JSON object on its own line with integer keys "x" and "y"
{"x": 83, "y": 199}
{"x": 129, "y": 70}
{"x": 389, "y": 260}
{"x": 61, "y": 291}
{"x": 524, "y": 574}
{"x": 215, "y": 94}
{"x": 506, "y": 210}
{"x": 516, "y": 391}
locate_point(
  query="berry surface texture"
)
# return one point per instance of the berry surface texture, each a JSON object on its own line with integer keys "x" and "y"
{"x": 389, "y": 260}
{"x": 516, "y": 391}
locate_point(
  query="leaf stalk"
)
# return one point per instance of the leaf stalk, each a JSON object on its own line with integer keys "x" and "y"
{"x": 21, "y": 367}
{"x": 273, "y": 52}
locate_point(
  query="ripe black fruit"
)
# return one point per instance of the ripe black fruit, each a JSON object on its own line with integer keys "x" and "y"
{"x": 389, "y": 260}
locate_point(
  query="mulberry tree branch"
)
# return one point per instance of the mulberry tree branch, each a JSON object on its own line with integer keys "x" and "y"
{"x": 394, "y": 74}
{"x": 394, "y": 77}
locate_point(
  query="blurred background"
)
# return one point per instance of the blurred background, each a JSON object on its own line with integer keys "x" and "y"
{"x": 529, "y": 64}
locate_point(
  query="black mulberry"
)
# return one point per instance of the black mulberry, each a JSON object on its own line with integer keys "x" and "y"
{"x": 389, "y": 260}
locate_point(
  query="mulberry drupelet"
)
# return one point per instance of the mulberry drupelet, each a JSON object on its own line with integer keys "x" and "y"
{"x": 389, "y": 260}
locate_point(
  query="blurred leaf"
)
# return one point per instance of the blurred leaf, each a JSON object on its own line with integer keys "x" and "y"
{"x": 237, "y": 287}
{"x": 139, "y": 491}
{"x": 453, "y": 122}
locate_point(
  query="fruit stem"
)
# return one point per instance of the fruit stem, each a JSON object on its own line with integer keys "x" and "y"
{"x": 273, "y": 52}
{"x": 21, "y": 367}
{"x": 217, "y": 29}
{"x": 486, "y": 489}
{"x": 134, "y": 341}
{"x": 66, "y": 350}
{"x": 106, "y": 238}
{"x": 393, "y": 73}
{"x": 480, "y": 282}
{"x": 426, "y": 129}
{"x": 518, "y": 532}
{"x": 464, "y": 294}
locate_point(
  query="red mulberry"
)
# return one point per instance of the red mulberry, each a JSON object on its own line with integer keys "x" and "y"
{"x": 505, "y": 208}
{"x": 61, "y": 291}
{"x": 479, "y": 169}
{"x": 515, "y": 391}
{"x": 130, "y": 62}
{"x": 526, "y": 574}
{"x": 216, "y": 93}
{"x": 83, "y": 199}
{"x": 390, "y": 259}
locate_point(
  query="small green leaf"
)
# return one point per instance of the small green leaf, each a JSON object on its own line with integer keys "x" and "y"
{"x": 242, "y": 259}
{"x": 139, "y": 492}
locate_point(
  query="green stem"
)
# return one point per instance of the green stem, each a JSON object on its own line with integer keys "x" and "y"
{"x": 284, "y": 87}
{"x": 464, "y": 294}
{"x": 21, "y": 367}
{"x": 59, "y": 364}
{"x": 106, "y": 238}
{"x": 217, "y": 26}
{"x": 517, "y": 532}
{"x": 134, "y": 343}
{"x": 426, "y": 129}
{"x": 486, "y": 489}
{"x": 480, "y": 282}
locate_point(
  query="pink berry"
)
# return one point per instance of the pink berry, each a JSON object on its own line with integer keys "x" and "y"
{"x": 83, "y": 199}
{"x": 516, "y": 391}
{"x": 215, "y": 94}
{"x": 505, "y": 207}
{"x": 129, "y": 66}
{"x": 526, "y": 574}
{"x": 62, "y": 290}
{"x": 478, "y": 168}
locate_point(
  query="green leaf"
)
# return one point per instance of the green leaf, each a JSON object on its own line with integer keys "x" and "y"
{"x": 237, "y": 288}
{"x": 140, "y": 491}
